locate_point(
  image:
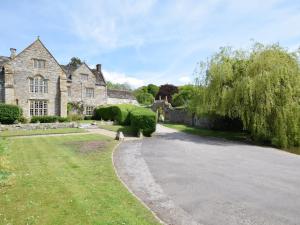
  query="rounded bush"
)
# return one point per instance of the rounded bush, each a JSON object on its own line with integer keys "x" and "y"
{"x": 143, "y": 120}
{"x": 9, "y": 113}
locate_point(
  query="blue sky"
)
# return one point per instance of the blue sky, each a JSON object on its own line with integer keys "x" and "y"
{"x": 147, "y": 41}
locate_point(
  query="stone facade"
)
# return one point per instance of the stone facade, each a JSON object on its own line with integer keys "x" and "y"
{"x": 35, "y": 81}
{"x": 20, "y": 69}
{"x": 80, "y": 81}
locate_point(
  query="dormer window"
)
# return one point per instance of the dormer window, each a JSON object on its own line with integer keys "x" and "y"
{"x": 39, "y": 63}
{"x": 38, "y": 85}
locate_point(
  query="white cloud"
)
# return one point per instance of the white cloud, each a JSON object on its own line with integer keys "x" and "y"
{"x": 117, "y": 77}
{"x": 185, "y": 79}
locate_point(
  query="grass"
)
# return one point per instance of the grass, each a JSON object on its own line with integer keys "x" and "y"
{"x": 235, "y": 136}
{"x": 127, "y": 130}
{"x": 58, "y": 184}
{"x": 14, "y": 133}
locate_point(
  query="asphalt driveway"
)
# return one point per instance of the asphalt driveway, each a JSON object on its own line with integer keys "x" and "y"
{"x": 188, "y": 180}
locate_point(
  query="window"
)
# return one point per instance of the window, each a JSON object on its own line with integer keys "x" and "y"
{"x": 39, "y": 63}
{"x": 90, "y": 93}
{"x": 84, "y": 77}
{"x": 69, "y": 91}
{"x": 38, "y": 108}
{"x": 38, "y": 85}
{"x": 89, "y": 110}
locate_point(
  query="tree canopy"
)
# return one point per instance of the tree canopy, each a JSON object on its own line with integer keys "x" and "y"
{"x": 167, "y": 90}
{"x": 75, "y": 61}
{"x": 261, "y": 87}
{"x": 118, "y": 86}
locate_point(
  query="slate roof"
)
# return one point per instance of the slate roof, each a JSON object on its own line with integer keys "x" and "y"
{"x": 70, "y": 69}
{"x": 3, "y": 59}
{"x": 120, "y": 94}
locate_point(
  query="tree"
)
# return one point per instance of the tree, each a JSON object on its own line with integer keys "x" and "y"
{"x": 75, "y": 61}
{"x": 167, "y": 90}
{"x": 152, "y": 89}
{"x": 260, "y": 87}
{"x": 145, "y": 98}
{"x": 183, "y": 97}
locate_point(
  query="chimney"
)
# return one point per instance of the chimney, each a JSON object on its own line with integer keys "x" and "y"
{"x": 98, "y": 67}
{"x": 13, "y": 52}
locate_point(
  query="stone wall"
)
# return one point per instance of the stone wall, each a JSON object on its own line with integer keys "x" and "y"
{"x": 182, "y": 116}
{"x": 78, "y": 88}
{"x": 35, "y": 126}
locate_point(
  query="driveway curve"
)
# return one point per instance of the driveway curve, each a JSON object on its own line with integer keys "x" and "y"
{"x": 187, "y": 180}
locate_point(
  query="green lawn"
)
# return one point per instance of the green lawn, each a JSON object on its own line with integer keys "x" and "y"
{"x": 67, "y": 180}
{"x": 9, "y": 133}
{"x": 127, "y": 130}
{"x": 236, "y": 136}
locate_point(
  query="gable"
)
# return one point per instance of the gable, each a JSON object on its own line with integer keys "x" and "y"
{"x": 37, "y": 50}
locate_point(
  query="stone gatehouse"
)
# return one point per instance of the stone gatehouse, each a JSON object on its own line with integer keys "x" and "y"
{"x": 34, "y": 80}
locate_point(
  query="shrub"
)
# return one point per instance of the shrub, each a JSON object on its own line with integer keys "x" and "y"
{"x": 121, "y": 113}
{"x": 23, "y": 119}
{"x": 104, "y": 113}
{"x": 44, "y": 119}
{"x": 63, "y": 119}
{"x": 88, "y": 117}
{"x": 143, "y": 120}
{"x": 75, "y": 117}
{"x": 9, "y": 113}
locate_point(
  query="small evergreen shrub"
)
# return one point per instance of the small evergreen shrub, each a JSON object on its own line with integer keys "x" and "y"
{"x": 143, "y": 120}
{"x": 88, "y": 117}
{"x": 9, "y": 113}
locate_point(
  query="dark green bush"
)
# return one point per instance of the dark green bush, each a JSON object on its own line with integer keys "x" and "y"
{"x": 9, "y": 113}
{"x": 121, "y": 113}
{"x": 63, "y": 119}
{"x": 44, "y": 119}
{"x": 88, "y": 117}
{"x": 104, "y": 113}
{"x": 143, "y": 120}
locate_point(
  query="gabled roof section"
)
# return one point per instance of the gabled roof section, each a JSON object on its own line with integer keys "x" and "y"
{"x": 39, "y": 41}
{"x": 69, "y": 70}
{"x": 3, "y": 60}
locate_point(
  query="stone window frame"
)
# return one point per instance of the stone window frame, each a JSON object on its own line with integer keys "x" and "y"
{"x": 89, "y": 110}
{"x": 85, "y": 75}
{"x": 69, "y": 91}
{"x": 39, "y": 63}
{"x": 38, "y": 84}
{"x": 38, "y": 107}
{"x": 89, "y": 92}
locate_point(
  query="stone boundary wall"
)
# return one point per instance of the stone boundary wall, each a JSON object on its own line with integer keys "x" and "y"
{"x": 184, "y": 117}
{"x": 35, "y": 126}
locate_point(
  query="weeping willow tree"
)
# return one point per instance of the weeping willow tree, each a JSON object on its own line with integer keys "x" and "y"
{"x": 260, "y": 87}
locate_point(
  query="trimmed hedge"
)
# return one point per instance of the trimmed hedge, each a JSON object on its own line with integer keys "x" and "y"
{"x": 103, "y": 113}
{"x": 122, "y": 113}
{"x": 9, "y": 113}
{"x": 44, "y": 119}
{"x": 119, "y": 113}
{"x": 143, "y": 120}
{"x": 49, "y": 119}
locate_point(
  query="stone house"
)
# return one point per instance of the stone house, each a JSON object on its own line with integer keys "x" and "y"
{"x": 86, "y": 86}
{"x": 34, "y": 80}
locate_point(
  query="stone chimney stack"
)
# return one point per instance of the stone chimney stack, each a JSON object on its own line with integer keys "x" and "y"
{"x": 98, "y": 67}
{"x": 13, "y": 52}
